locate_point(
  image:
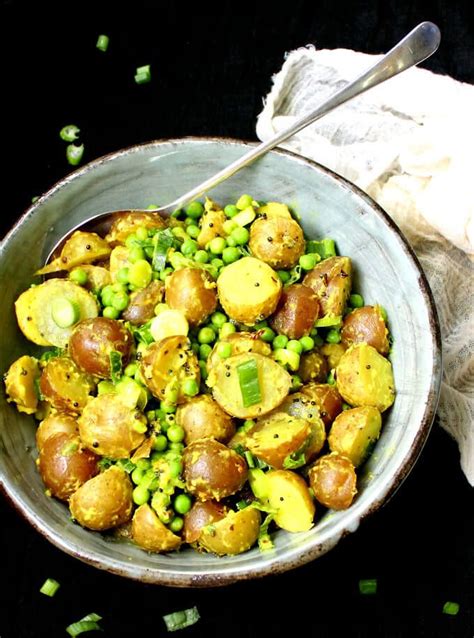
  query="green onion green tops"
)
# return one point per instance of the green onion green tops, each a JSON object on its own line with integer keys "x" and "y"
{"x": 249, "y": 383}
{"x": 69, "y": 133}
{"x": 368, "y": 586}
{"x": 50, "y": 587}
{"x": 88, "y": 623}
{"x": 143, "y": 74}
{"x": 181, "y": 619}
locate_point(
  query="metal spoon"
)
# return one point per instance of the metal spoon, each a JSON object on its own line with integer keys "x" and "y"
{"x": 415, "y": 47}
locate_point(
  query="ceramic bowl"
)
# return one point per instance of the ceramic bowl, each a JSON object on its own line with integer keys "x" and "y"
{"x": 386, "y": 272}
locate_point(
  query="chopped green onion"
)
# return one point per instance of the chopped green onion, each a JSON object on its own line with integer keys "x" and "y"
{"x": 294, "y": 276}
{"x": 249, "y": 383}
{"x": 74, "y": 153}
{"x": 143, "y": 74}
{"x": 51, "y": 354}
{"x": 103, "y": 43}
{"x": 88, "y": 623}
{"x": 34, "y": 199}
{"x": 368, "y": 586}
{"x": 126, "y": 465}
{"x": 115, "y": 359}
{"x": 324, "y": 248}
{"x": 450, "y": 608}
{"x": 181, "y": 619}
{"x": 329, "y": 322}
{"x": 69, "y": 133}
{"x": 294, "y": 460}
{"x": 241, "y": 505}
{"x": 164, "y": 241}
{"x": 142, "y": 334}
{"x": 249, "y": 458}
{"x": 64, "y": 312}
{"x": 50, "y": 587}
{"x": 264, "y": 541}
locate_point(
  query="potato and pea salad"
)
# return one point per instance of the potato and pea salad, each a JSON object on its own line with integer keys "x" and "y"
{"x": 205, "y": 380}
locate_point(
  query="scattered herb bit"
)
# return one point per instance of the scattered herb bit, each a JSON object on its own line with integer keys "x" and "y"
{"x": 34, "y": 199}
{"x": 127, "y": 465}
{"x": 264, "y": 541}
{"x": 105, "y": 463}
{"x": 164, "y": 240}
{"x": 249, "y": 383}
{"x": 69, "y": 133}
{"x": 294, "y": 460}
{"x": 142, "y": 334}
{"x": 324, "y": 248}
{"x": 294, "y": 275}
{"x": 181, "y": 619}
{"x": 115, "y": 359}
{"x": 368, "y": 586}
{"x": 50, "y": 587}
{"x": 249, "y": 458}
{"x": 450, "y": 608}
{"x": 143, "y": 74}
{"x": 74, "y": 154}
{"x": 88, "y": 623}
{"x": 329, "y": 322}
{"x": 103, "y": 43}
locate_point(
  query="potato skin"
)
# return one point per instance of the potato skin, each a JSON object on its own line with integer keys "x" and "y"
{"x": 233, "y": 534}
{"x": 107, "y": 426}
{"x": 331, "y": 280}
{"x": 326, "y": 398}
{"x": 202, "y": 513}
{"x": 93, "y": 340}
{"x": 354, "y": 432}
{"x": 212, "y": 225}
{"x": 192, "y": 291}
{"x": 288, "y": 494}
{"x": 57, "y": 423}
{"x": 249, "y": 290}
{"x": 278, "y": 241}
{"x": 333, "y": 481}
{"x": 366, "y": 325}
{"x": 65, "y": 386}
{"x": 212, "y": 470}
{"x": 142, "y": 303}
{"x": 104, "y": 501}
{"x": 65, "y": 465}
{"x": 296, "y": 312}
{"x": 126, "y": 223}
{"x": 364, "y": 377}
{"x": 276, "y": 437}
{"x": 149, "y": 532}
{"x": 202, "y": 418}
{"x": 313, "y": 367}
{"x": 20, "y": 384}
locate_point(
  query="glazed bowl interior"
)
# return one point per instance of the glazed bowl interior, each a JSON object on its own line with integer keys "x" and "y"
{"x": 385, "y": 273}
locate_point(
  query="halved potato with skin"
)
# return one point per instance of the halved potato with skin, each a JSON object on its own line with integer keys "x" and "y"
{"x": 366, "y": 325}
{"x": 233, "y": 534}
{"x": 326, "y": 398}
{"x": 333, "y": 481}
{"x": 65, "y": 386}
{"x": 212, "y": 225}
{"x": 313, "y": 367}
{"x": 354, "y": 432}
{"x": 20, "y": 384}
{"x": 118, "y": 260}
{"x": 296, "y": 312}
{"x": 289, "y": 496}
{"x": 201, "y": 417}
{"x": 333, "y": 353}
{"x": 142, "y": 303}
{"x": 192, "y": 291}
{"x": 274, "y": 383}
{"x": 249, "y": 290}
{"x": 331, "y": 280}
{"x": 80, "y": 248}
{"x": 149, "y": 532}
{"x": 300, "y": 406}
{"x": 277, "y": 240}
{"x": 97, "y": 277}
{"x": 202, "y": 513}
{"x": 57, "y": 423}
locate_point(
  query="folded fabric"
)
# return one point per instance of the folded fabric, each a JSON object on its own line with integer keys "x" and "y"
{"x": 405, "y": 143}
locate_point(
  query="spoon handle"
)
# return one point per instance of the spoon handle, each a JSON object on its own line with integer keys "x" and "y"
{"x": 415, "y": 47}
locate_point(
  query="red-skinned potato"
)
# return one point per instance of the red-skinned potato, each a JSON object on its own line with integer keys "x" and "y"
{"x": 65, "y": 465}
{"x": 366, "y": 325}
{"x": 300, "y": 406}
{"x": 202, "y": 418}
{"x": 93, "y": 340}
{"x": 149, "y": 532}
{"x": 104, "y": 501}
{"x": 202, "y": 513}
{"x": 333, "y": 481}
{"x": 278, "y": 241}
{"x": 326, "y": 398}
{"x": 142, "y": 303}
{"x": 296, "y": 312}
{"x": 57, "y": 423}
{"x": 313, "y": 367}
{"x": 212, "y": 470}
{"x": 65, "y": 386}
{"x": 193, "y": 292}
{"x": 331, "y": 280}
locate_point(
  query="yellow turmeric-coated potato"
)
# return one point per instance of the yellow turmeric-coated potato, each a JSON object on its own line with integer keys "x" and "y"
{"x": 249, "y": 290}
{"x": 149, "y": 532}
{"x": 241, "y": 342}
{"x": 56, "y": 423}
{"x": 80, "y": 248}
{"x": 233, "y": 534}
{"x": 20, "y": 384}
{"x": 326, "y": 398}
{"x": 118, "y": 260}
{"x": 201, "y": 418}
{"x": 97, "y": 277}
{"x": 333, "y": 481}
{"x": 65, "y": 386}
{"x": 331, "y": 280}
{"x": 212, "y": 225}
{"x": 104, "y": 501}
{"x": 289, "y": 496}
{"x": 303, "y": 407}
{"x": 333, "y": 353}
{"x": 366, "y": 325}
{"x": 202, "y": 513}
{"x": 278, "y": 241}
{"x": 275, "y": 209}
{"x": 274, "y": 384}
{"x": 126, "y": 223}
{"x": 313, "y": 367}
{"x": 364, "y": 377}
{"x": 354, "y": 433}
{"x": 192, "y": 291}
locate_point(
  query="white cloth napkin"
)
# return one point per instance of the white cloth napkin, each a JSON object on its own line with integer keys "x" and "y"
{"x": 407, "y": 143}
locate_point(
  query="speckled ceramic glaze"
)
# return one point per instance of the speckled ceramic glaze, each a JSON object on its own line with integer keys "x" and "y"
{"x": 386, "y": 272}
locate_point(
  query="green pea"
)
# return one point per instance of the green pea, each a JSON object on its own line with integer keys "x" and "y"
{"x": 296, "y": 382}
{"x": 248, "y": 424}
{"x": 229, "y": 225}
{"x": 217, "y": 263}
{"x": 195, "y": 348}
{"x": 241, "y": 235}
{"x": 308, "y": 262}
{"x": 356, "y": 301}
{"x": 176, "y": 467}
{"x": 78, "y": 276}
{"x": 120, "y": 301}
{"x": 131, "y": 370}
{"x": 295, "y": 346}
{"x": 204, "y": 373}
{"x": 204, "y": 351}
{"x": 143, "y": 464}
{"x": 244, "y": 201}
{"x": 189, "y": 247}
{"x": 176, "y": 524}
{"x": 206, "y": 335}
{"x": 176, "y": 447}
{"x": 137, "y": 475}
{"x": 167, "y": 408}
{"x": 217, "y": 245}
{"x": 140, "y": 273}
{"x": 109, "y": 312}
{"x": 189, "y": 221}
{"x": 175, "y": 433}
{"x": 160, "y": 443}
{"x": 122, "y": 276}
{"x": 201, "y": 256}
{"x": 218, "y": 319}
{"x": 190, "y": 387}
{"x": 142, "y": 233}
{"x": 194, "y": 210}
{"x": 107, "y": 295}
{"x": 333, "y": 336}
{"x": 182, "y": 504}
{"x": 131, "y": 240}
{"x": 318, "y": 341}
{"x": 267, "y": 335}
{"x": 230, "y": 254}
{"x": 166, "y": 272}
{"x": 280, "y": 342}
{"x": 283, "y": 275}
{"x": 193, "y": 231}
{"x": 231, "y": 210}
{"x": 231, "y": 242}
{"x": 140, "y": 495}
{"x": 227, "y": 329}
{"x": 224, "y": 350}
{"x": 307, "y": 343}
{"x": 136, "y": 253}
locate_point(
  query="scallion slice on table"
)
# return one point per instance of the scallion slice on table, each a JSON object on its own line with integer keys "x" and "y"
{"x": 249, "y": 383}
{"x": 368, "y": 586}
{"x": 450, "y": 608}
{"x": 181, "y": 619}
{"x": 103, "y": 43}
{"x": 74, "y": 153}
{"x": 50, "y": 587}
{"x": 69, "y": 133}
{"x": 88, "y": 623}
{"x": 143, "y": 74}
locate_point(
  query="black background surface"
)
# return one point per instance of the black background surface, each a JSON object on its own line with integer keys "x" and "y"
{"x": 210, "y": 73}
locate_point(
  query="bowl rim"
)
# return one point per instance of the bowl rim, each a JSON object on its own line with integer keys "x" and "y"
{"x": 159, "y": 576}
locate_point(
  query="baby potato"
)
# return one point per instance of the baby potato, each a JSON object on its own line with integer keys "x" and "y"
{"x": 331, "y": 280}
{"x": 97, "y": 277}
{"x": 333, "y": 481}
{"x": 142, "y": 303}
{"x": 126, "y": 223}
{"x": 313, "y": 367}
{"x": 278, "y": 241}
{"x": 104, "y": 501}
{"x": 57, "y": 423}
{"x": 326, "y": 398}
{"x": 366, "y": 325}
{"x": 202, "y": 513}
{"x": 118, "y": 260}
{"x": 93, "y": 340}
{"x": 275, "y": 209}
{"x": 80, "y": 248}
{"x": 354, "y": 433}
{"x": 212, "y": 470}
{"x": 233, "y": 534}
{"x": 296, "y": 312}
{"x": 110, "y": 427}
{"x": 212, "y": 225}
{"x": 364, "y": 377}
{"x": 249, "y": 290}
{"x": 202, "y": 418}
{"x": 301, "y": 406}
{"x": 274, "y": 384}
{"x": 149, "y": 532}
{"x": 333, "y": 353}
{"x": 276, "y": 437}
{"x": 20, "y": 382}
{"x": 65, "y": 386}
{"x": 241, "y": 342}
{"x": 289, "y": 496}
{"x": 192, "y": 291}
{"x": 168, "y": 364}
{"x": 65, "y": 465}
